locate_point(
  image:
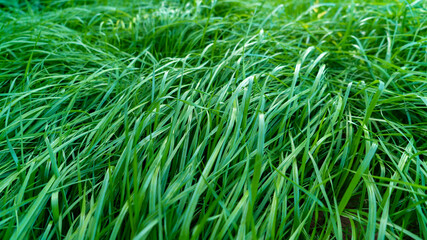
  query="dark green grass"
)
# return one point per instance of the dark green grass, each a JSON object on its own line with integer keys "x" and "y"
{"x": 213, "y": 120}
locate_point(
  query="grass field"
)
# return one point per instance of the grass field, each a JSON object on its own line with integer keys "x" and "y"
{"x": 297, "y": 119}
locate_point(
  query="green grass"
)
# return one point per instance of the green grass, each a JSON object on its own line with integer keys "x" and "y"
{"x": 226, "y": 119}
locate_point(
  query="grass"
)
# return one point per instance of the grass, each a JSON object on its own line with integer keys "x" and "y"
{"x": 213, "y": 119}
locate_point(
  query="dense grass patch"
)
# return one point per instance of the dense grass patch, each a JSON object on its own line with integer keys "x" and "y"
{"x": 213, "y": 119}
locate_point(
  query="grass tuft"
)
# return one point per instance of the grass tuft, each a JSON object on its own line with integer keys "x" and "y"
{"x": 213, "y": 119}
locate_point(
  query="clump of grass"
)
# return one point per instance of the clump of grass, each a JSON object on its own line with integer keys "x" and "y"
{"x": 206, "y": 119}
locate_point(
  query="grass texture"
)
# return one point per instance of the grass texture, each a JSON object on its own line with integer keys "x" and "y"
{"x": 213, "y": 119}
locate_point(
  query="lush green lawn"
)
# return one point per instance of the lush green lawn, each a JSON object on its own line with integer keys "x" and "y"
{"x": 224, "y": 119}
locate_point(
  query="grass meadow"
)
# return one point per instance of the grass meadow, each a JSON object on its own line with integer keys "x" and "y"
{"x": 213, "y": 119}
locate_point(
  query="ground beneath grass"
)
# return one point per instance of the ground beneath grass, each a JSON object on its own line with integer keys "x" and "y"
{"x": 224, "y": 119}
